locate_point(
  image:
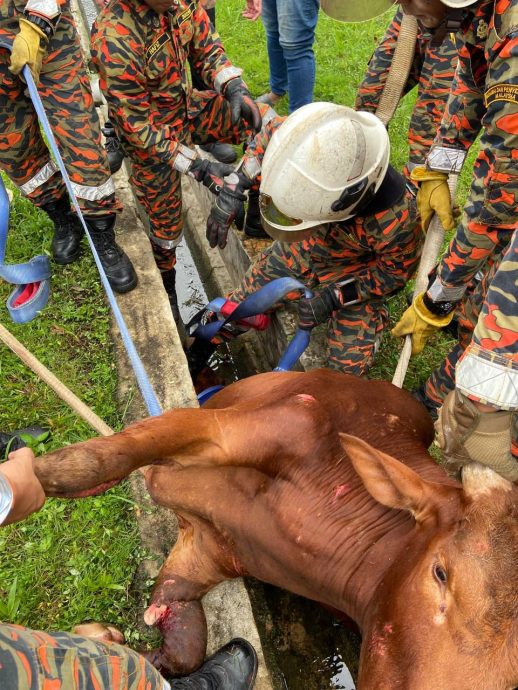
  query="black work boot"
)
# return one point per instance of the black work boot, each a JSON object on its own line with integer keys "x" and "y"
{"x": 233, "y": 667}
{"x": 253, "y": 226}
{"x": 224, "y": 153}
{"x": 113, "y": 147}
{"x": 119, "y": 269}
{"x": 13, "y": 440}
{"x": 169, "y": 281}
{"x": 68, "y": 231}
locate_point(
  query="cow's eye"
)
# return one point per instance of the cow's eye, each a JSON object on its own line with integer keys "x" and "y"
{"x": 440, "y": 574}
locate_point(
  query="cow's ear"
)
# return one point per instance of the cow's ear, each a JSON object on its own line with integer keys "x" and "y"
{"x": 391, "y": 482}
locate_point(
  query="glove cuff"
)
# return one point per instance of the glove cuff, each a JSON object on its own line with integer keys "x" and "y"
{"x": 422, "y": 311}
{"x": 44, "y": 24}
{"x": 224, "y": 76}
{"x": 439, "y": 308}
{"x": 445, "y": 159}
{"x": 422, "y": 174}
{"x": 184, "y": 158}
{"x": 34, "y": 27}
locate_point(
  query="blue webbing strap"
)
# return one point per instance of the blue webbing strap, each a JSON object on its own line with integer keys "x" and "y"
{"x": 37, "y": 270}
{"x": 257, "y": 303}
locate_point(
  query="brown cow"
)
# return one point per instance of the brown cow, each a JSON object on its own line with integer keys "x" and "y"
{"x": 264, "y": 483}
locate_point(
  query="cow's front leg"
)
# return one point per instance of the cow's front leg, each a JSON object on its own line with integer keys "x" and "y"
{"x": 191, "y": 570}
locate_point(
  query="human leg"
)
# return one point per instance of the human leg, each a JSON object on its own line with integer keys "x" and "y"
{"x": 158, "y": 188}
{"x": 276, "y": 60}
{"x": 297, "y": 20}
{"x": 35, "y": 660}
{"x": 354, "y": 334}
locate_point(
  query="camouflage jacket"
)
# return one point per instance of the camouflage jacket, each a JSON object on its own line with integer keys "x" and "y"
{"x": 141, "y": 58}
{"x": 432, "y": 71}
{"x": 386, "y": 244}
{"x": 484, "y": 95}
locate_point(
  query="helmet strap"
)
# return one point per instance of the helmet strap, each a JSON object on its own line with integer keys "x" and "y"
{"x": 389, "y": 194}
{"x": 452, "y": 22}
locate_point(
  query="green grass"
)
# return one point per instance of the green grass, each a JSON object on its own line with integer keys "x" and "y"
{"x": 76, "y": 560}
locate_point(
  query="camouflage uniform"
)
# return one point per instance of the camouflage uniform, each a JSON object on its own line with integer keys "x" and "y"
{"x": 142, "y": 60}
{"x": 65, "y": 92}
{"x": 31, "y": 660}
{"x": 432, "y": 72}
{"x": 485, "y": 94}
{"x": 381, "y": 250}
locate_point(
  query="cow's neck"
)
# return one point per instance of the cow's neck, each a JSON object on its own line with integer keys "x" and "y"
{"x": 371, "y": 537}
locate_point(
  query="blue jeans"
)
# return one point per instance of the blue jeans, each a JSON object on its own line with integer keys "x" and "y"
{"x": 290, "y": 34}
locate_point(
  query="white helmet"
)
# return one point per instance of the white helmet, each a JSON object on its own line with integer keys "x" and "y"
{"x": 458, "y": 3}
{"x": 321, "y": 150}
{"x": 355, "y": 10}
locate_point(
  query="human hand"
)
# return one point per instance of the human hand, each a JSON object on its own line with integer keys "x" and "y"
{"x": 317, "y": 309}
{"x": 228, "y": 206}
{"x": 28, "y": 493}
{"x": 210, "y": 173}
{"x": 99, "y": 631}
{"x": 420, "y": 323}
{"x": 29, "y": 48}
{"x": 433, "y": 197}
{"x": 242, "y": 105}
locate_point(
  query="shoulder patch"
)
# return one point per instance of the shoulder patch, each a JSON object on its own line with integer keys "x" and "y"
{"x": 501, "y": 92}
{"x": 155, "y": 47}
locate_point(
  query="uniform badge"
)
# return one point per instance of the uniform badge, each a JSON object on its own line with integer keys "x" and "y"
{"x": 482, "y": 29}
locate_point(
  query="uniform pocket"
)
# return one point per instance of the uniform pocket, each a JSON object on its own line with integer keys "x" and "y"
{"x": 500, "y": 205}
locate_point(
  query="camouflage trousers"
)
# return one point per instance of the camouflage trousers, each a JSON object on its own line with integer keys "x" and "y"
{"x": 484, "y": 362}
{"x": 64, "y": 89}
{"x": 353, "y": 333}
{"x": 442, "y": 379}
{"x": 158, "y": 185}
{"x": 31, "y": 660}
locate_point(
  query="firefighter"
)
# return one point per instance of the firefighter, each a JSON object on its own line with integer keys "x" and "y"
{"x": 44, "y": 36}
{"x": 361, "y": 245}
{"x": 156, "y": 113}
{"x": 478, "y": 419}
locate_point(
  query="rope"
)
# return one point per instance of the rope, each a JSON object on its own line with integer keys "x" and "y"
{"x": 45, "y": 375}
{"x": 399, "y": 69}
{"x": 431, "y": 249}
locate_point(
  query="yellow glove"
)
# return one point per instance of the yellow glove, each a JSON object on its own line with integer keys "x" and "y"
{"x": 433, "y": 197}
{"x": 419, "y": 322}
{"x": 29, "y": 48}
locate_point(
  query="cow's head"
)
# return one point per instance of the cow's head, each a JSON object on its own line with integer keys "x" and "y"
{"x": 446, "y": 614}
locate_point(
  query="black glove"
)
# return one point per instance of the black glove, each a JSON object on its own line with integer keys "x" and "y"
{"x": 319, "y": 308}
{"x": 209, "y": 173}
{"x": 242, "y": 105}
{"x": 228, "y": 206}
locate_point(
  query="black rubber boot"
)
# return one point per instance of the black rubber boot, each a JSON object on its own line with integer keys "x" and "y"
{"x": 233, "y": 667}
{"x": 119, "y": 269}
{"x": 13, "y": 440}
{"x": 253, "y": 226}
{"x": 113, "y": 146}
{"x": 224, "y": 153}
{"x": 169, "y": 281}
{"x": 68, "y": 231}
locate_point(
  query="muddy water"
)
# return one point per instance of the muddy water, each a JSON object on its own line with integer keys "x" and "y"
{"x": 305, "y": 646}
